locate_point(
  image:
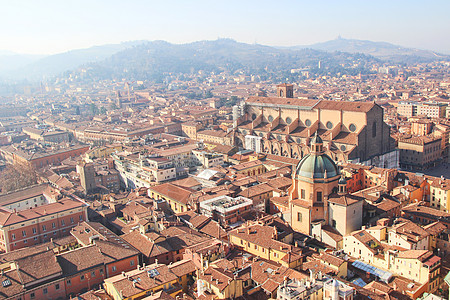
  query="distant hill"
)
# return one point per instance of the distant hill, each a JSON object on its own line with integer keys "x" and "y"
{"x": 381, "y": 50}
{"x": 38, "y": 67}
{"x": 151, "y": 60}
{"x": 140, "y": 60}
{"x": 10, "y": 61}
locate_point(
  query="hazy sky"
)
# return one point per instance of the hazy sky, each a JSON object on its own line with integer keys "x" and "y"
{"x": 47, "y": 27}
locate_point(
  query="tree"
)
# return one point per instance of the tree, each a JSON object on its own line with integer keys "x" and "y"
{"x": 113, "y": 106}
{"x": 94, "y": 109}
{"x": 15, "y": 177}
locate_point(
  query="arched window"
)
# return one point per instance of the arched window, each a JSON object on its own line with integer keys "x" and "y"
{"x": 281, "y": 93}
{"x": 374, "y": 129}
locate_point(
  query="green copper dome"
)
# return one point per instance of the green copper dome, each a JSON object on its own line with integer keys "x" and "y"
{"x": 315, "y": 166}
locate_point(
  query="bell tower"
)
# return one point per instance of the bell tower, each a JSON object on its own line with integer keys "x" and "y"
{"x": 285, "y": 90}
{"x": 342, "y": 186}
{"x": 315, "y": 178}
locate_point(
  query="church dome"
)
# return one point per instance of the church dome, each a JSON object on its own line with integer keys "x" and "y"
{"x": 315, "y": 166}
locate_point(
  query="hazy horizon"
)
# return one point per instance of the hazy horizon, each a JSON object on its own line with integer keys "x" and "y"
{"x": 9, "y": 52}
{"x": 50, "y": 27}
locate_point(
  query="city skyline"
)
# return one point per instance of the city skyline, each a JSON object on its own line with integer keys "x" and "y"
{"x": 51, "y": 27}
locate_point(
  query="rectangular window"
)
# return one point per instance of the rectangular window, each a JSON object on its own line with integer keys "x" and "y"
{"x": 24, "y": 233}
{"x": 53, "y": 225}
{"x": 82, "y": 277}
{"x": 299, "y": 216}
{"x": 44, "y": 228}
{"x": 81, "y": 217}
{"x": 69, "y": 282}
{"x": 319, "y": 196}
{"x": 303, "y": 193}
{"x": 71, "y": 220}
{"x": 34, "y": 230}
{"x": 45, "y": 291}
{"x": 32, "y": 296}
{"x": 63, "y": 223}
{"x": 57, "y": 286}
{"x": 13, "y": 236}
{"x": 93, "y": 273}
{"x": 113, "y": 268}
{"x": 132, "y": 263}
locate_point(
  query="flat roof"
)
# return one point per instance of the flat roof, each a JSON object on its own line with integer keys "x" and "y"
{"x": 225, "y": 203}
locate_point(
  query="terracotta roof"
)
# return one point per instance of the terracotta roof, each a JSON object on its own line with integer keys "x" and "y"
{"x": 331, "y": 259}
{"x": 263, "y": 236}
{"x": 367, "y": 240}
{"x": 161, "y": 295}
{"x": 428, "y": 212}
{"x": 140, "y": 242}
{"x": 182, "y": 267}
{"x": 256, "y": 190}
{"x": 22, "y": 194}
{"x": 333, "y": 233}
{"x": 39, "y": 266}
{"x": 136, "y": 281}
{"x": 16, "y": 286}
{"x": 412, "y": 254}
{"x": 172, "y": 192}
{"x": 217, "y": 277}
{"x": 413, "y": 232}
{"x": 75, "y": 261}
{"x": 345, "y": 200}
{"x": 435, "y": 228}
{"x": 187, "y": 182}
{"x": 316, "y": 266}
{"x": 9, "y": 218}
{"x": 314, "y": 104}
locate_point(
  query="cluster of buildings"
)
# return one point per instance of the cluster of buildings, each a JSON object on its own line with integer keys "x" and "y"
{"x": 317, "y": 190}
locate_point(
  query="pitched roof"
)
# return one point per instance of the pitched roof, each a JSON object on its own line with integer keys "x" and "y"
{"x": 136, "y": 281}
{"x": 314, "y": 104}
{"x": 38, "y": 266}
{"x": 75, "y": 261}
{"x": 173, "y": 192}
{"x": 217, "y": 277}
{"x": 182, "y": 267}
{"x": 9, "y": 218}
{"x": 345, "y": 200}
